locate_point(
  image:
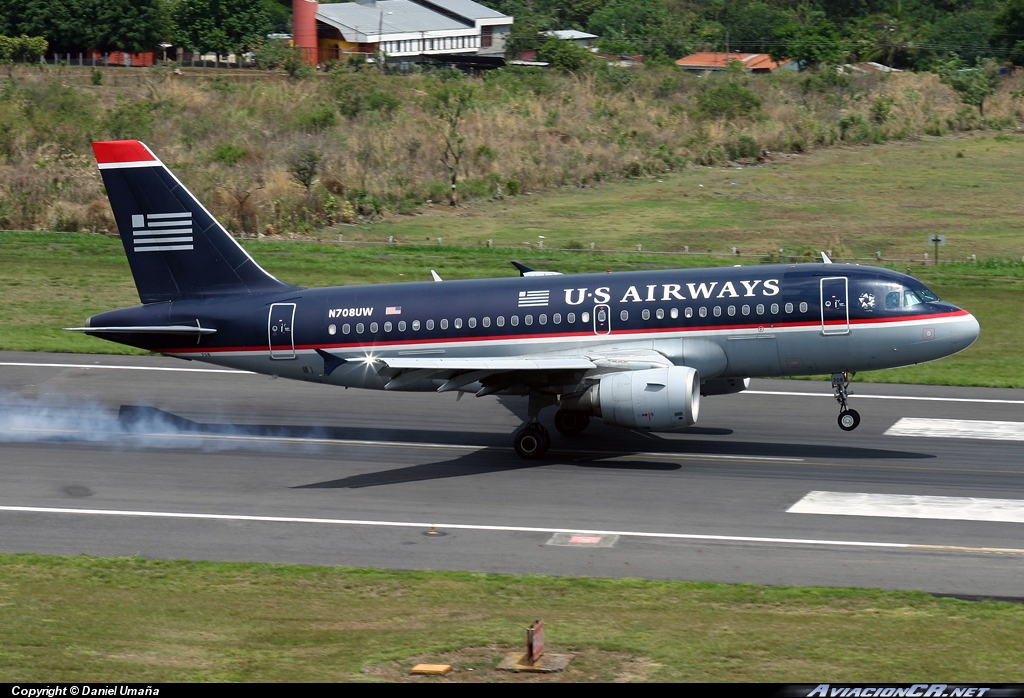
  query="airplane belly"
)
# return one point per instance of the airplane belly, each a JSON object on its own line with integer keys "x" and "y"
{"x": 808, "y": 351}
{"x": 754, "y": 355}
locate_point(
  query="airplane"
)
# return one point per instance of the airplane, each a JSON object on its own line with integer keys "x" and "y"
{"x": 636, "y": 349}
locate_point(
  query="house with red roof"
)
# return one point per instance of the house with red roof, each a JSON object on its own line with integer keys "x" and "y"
{"x": 705, "y": 61}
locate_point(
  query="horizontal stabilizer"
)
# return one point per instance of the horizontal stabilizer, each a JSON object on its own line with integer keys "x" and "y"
{"x": 151, "y": 329}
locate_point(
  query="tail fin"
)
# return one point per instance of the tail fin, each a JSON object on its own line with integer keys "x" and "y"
{"x": 175, "y": 247}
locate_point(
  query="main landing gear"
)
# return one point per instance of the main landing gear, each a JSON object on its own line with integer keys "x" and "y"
{"x": 848, "y": 419}
{"x": 533, "y": 440}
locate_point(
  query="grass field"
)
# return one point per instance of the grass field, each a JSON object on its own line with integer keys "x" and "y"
{"x": 88, "y": 619}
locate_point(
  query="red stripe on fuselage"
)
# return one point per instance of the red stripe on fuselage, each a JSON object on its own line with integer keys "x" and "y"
{"x": 564, "y": 335}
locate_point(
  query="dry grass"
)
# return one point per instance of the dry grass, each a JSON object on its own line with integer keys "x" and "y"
{"x": 530, "y": 132}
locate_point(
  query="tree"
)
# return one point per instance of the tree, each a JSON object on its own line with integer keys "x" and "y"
{"x": 565, "y": 55}
{"x": 303, "y": 165}
{"x": 449, "y": 103}
{"x": 810, "y": 44}
{"x": 221, "y": 26}
{"x": 1009, "y": 30}
{"x": 104, "y": 25}
{"x": 973, "y": 85}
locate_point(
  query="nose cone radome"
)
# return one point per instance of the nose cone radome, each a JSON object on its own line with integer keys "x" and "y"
{"x": 964, "y": 332}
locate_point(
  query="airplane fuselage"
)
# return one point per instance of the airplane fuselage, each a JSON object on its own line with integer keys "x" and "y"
{"x": 729, "y": 322}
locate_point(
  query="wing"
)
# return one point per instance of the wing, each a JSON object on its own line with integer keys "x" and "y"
{"x": 553, "y": 373}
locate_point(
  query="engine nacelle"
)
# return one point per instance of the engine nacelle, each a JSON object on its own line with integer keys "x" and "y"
{"x": 658, "y": 399}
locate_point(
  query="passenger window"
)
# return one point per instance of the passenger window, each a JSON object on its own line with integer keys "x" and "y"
{"x": 803, "y": 307}
{"x": 346, "y": 328}
{"x": 703, "y": 311}
{"x": 542, "y": 319}
{"x": 789, "y": 307}
{"x": 472, "y": 322}
{"x": 557, "y": 318}
{"x": 528, "y": 319}
{"x": 570, "y": 318}
{"x": 775, "y": 308}
{"x": 674, "y": 313}
{"x": 745, "y": 310}
{"x": 444, "y": 324}
{"x": 360, "y": 327}
{"x": 500, "y": 321}
{"x": 717, "y": 311}
{"x": 731, "y": 310}
{"x": 430, "y": 324}
{"x": 646, "y": 314}
{"x": 387, "y": 326}
{"x": 458, "y": 323}
{"x": 760, "y": 308}
{"x": 374, "y": 327}
{"x": 415, "y": 325}
{"x": 660, "y": 314}
{"x": 401, "y": 325}
{"x": 585, "y": 317}
{"x": 624, "y": 315}
{"x": 486, "y": 322}
{"x": 332, "y": 329}
{"x": 514, "y": 321}
{"x": 688, "y": 312}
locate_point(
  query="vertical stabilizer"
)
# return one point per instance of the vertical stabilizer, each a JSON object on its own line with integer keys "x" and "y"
{"x": 175, "y": 247}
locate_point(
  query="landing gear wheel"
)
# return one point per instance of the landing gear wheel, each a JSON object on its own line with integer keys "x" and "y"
{"x": 848, "y": 420}
{"x": 571, "y": 423}
{"x": 531, "y": 442}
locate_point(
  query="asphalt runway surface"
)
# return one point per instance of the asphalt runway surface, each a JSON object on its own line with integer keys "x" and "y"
{"x": 928, "y": 493}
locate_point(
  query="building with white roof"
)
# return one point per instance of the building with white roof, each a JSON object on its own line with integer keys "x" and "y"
{"x": 407, "y": 28}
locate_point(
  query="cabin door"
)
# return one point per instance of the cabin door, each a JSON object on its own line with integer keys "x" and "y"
{"x": 279, "y": 331}
{"x": 835, "y": 309}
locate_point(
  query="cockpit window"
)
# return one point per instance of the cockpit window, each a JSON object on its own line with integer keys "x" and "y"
{"x": 908, "y": 298}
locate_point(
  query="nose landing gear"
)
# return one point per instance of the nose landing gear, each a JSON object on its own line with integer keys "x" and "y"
{"x": 848, "y": 419}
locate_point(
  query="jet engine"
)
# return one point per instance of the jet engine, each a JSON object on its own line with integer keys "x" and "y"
{"x": 658, "y": 399}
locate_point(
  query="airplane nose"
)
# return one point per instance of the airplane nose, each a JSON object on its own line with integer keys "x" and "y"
{"x": 964, "y": 333}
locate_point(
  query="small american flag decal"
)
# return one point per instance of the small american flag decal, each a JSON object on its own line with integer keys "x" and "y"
{"x": 533, "y": 299}
{"x": 393, "y": 310}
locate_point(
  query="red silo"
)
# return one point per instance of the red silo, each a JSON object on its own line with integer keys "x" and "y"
{"x": 304, "y": 36}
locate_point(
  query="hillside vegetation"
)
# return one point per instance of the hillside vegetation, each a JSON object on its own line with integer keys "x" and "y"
{"x": 367, "y": 143}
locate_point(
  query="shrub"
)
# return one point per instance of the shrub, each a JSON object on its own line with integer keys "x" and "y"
{"x": 317, "y": 118}
{"x": 228, "y": 153}
{"x": 728, "y": 98}
{"x": 130, "y": 121}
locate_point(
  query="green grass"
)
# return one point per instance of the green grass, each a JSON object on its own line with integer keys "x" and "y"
{"x": 56, "y": 280}
{"x": 88, "y": 619}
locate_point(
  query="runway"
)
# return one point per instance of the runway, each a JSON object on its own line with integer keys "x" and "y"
{"x": 928, "y": 493}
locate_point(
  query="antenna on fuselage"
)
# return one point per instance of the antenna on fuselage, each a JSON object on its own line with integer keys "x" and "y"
{"x": 825, "y": 259}
{"x": 435, "y": 275}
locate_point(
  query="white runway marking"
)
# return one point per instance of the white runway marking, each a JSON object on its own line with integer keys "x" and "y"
{"x": 186, "y": 439}
{"x": 129, "y": 368}
{"x": 745, "y": 392}
{"x": 957, "y": 429}
{"x": 509, "y": 529}
{"x": 859, "y": 396}
{"x": 908, "y": 506}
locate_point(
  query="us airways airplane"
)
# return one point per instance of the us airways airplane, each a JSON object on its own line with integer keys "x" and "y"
{"x": 637, "y": 349}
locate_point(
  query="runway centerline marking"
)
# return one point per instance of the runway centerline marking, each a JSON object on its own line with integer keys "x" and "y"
{"x": 858, "y": 396}
{"x": 184, "y": 438}
{"x": 957, "y": 429}
{"x": 130, "y": 368}
{"x": 240, "y": 372}
{"x": 909, "y": 506}
{"x": 507, "y": 529}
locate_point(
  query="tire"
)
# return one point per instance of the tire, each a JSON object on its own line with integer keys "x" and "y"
{"x": 849, "y": 420}
{"x": 571, "y": 423}
{"x": 531, "y": 443}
